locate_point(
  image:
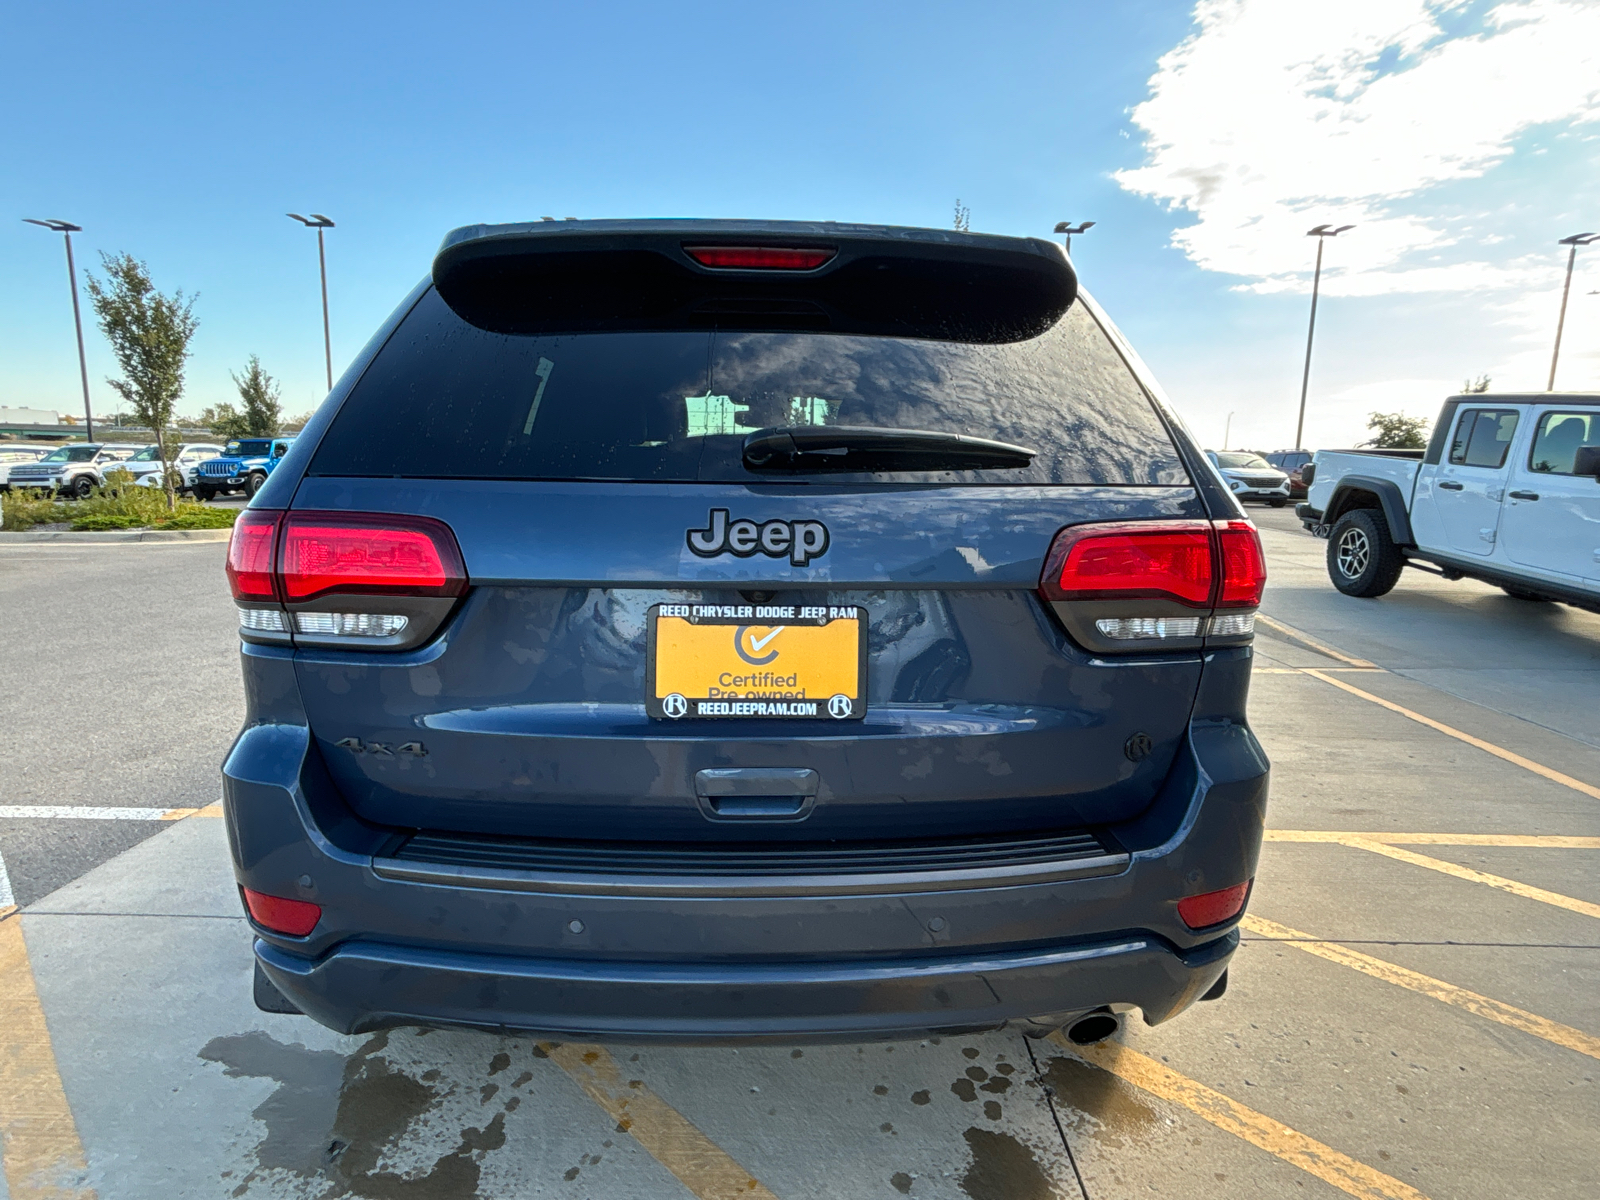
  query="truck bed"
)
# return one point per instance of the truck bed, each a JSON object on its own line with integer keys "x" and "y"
{"x": 1398, "y": 466}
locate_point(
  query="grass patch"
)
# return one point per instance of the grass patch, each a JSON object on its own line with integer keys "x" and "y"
{"x": 118, "y": 505}
{"x": 200, "y": 516}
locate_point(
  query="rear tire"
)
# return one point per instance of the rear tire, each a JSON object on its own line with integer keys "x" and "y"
{"x": 267, "y": 996}
{"x": 1362, "y": 558}
{"x": 1519, "y": 594}
{"x": 1218, "y": 989}
{"x": 83, "y": 487}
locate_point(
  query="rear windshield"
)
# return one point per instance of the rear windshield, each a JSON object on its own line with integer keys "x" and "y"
{"x": 445, "y": 399}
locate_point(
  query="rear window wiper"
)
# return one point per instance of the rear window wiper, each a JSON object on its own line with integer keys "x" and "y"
{"x": 864, "y": 448}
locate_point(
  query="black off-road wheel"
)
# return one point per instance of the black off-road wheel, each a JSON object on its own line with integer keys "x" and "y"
{"x": 83, "y": 487}
{"x": 252, "y": 484}
{"x": 204, "y": 494}
{"x": 1362, "y": 558}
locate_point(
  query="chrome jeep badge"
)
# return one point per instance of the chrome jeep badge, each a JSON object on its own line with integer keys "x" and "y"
{"x": 801, "y": 541}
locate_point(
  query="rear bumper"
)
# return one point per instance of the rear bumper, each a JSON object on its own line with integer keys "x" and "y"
{"x": 362, "y": 986}
{"x": 750, "y": 962}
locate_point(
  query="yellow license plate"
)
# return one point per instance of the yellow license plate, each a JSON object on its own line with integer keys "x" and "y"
{"x": 757, "y": 661}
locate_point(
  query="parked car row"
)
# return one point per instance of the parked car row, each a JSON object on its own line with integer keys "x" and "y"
{"x": 203, "y": 468}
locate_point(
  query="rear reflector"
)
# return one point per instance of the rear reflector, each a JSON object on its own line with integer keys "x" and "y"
{"x": 353, "y": 552}
{"x": 1244, "y": 567}
{"x": 250, "y": 554}
{"x": 1127, "y": 561}
{"x": 761, "y": 258}
{"x": 1213, "y": 908}
{"x": 294, "y": 918}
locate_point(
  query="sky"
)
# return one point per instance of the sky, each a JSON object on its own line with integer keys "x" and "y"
{"x": 1460, "y": 139}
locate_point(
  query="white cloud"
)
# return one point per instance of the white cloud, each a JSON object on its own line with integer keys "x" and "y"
{"x": 1278, "y": 115}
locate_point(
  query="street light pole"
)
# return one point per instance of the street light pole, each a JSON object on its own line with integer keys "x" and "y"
{"x": 1572, "y": 243}
{"x": 1227, "y": 429}
{"x": 1321, "y": 232}
{"x": 1069, "y": 229}
{"x": 319, "y": 222}
{"x": 67, "y": 229}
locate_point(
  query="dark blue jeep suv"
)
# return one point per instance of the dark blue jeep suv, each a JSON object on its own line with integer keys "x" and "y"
{"x": 689, "y": 629}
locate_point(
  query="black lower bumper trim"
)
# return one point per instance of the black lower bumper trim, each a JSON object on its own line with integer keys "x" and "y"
{"x": 364, "y": 986}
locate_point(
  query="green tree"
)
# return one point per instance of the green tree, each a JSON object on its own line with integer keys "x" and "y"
{"x": 1474, "y": 386}
{"x": 225, "y": 421}
{"x": 1396, "y": 431}
{"x": 263, "y": 414}
{"x": 149, "y": 334}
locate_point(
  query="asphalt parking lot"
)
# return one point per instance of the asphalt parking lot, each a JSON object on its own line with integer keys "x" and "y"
{"x": 1414, "y": 1012}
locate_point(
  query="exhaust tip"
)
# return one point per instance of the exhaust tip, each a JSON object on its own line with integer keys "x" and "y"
{"x": 1096, "y": 1027}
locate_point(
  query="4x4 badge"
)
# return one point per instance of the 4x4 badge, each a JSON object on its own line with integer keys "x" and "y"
{"x": 802, "y": 541}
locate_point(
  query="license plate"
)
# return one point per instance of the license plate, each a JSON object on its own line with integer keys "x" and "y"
{"x": 759, "y": 661}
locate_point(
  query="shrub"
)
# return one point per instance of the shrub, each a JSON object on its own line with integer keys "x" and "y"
{"x": 24, "y": 510}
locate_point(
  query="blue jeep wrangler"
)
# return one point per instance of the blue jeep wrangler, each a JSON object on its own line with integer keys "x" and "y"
{"x": 243, "y": 468}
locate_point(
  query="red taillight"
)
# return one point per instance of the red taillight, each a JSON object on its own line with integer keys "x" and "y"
{"x": 1131, "y": 560}
{"x": 294, "y": 918}
{"x": 1244, "y": 567}
{"x": 353, "y": 552}
{"x": 1213, "y": 908}
{"x": 250, "y": 557}
{"x": 761, "y": 258}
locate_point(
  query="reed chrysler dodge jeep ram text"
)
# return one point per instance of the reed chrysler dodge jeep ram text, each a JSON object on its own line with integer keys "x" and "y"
{"x": 681, "y": 629}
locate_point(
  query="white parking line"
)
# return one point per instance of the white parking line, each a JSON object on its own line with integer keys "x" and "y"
{"x": 8, "y": 898}
{"x": 86, "y": 812}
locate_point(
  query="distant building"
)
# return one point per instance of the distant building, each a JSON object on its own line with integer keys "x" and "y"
{"x": 28, "y": 416}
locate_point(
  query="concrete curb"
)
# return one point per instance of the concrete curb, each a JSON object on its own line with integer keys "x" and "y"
{"x": 117, "y": 535}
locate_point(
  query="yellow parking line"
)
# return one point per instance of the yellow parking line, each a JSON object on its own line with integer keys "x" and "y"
{"x": 1537, "y": 841}
{"x": 1527, "y": 764}
{"x": 1447, "y": 993}
{"x": 1276, "y": 1138}
{"x": 1270, "y": 623}
{"x": 704, "y": 1167}
{"x": 1304, "y": 670}
{"x": 38, "y": 1137}
{"x": 178, "y": 814}
{"x": 1570, "y": 903}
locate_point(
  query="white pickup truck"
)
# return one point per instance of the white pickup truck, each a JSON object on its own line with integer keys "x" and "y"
{"x": 1508, "y": 491}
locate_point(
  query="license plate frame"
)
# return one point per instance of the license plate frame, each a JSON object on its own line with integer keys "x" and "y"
{"x": 694, "y": 658}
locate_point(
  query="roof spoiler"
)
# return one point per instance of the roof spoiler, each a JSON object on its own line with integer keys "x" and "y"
{"x": 644, "y": 276}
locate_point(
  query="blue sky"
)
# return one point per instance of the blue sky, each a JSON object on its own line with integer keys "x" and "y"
{"x": 1460, "y": 137}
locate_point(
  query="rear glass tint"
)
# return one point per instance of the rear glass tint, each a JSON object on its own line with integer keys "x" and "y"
{"x": 445, "y": 399}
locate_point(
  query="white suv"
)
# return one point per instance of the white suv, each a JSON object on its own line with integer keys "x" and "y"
{"x": 145, "y": 466}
